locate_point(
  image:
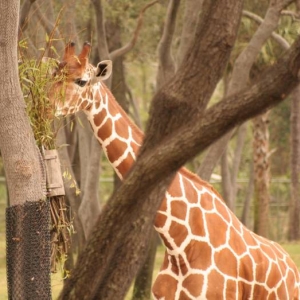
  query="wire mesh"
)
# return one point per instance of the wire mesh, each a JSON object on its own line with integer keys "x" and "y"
{"x": 28, "y": 251}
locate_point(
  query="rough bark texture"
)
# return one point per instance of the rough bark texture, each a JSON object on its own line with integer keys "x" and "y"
{"x": 21, "y": 157}
{"x": 294, "y": 230}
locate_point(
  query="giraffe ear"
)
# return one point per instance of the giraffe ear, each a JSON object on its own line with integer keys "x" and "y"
{"x": 104, "y": 69}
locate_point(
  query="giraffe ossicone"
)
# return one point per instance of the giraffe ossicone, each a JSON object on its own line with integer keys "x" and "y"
{"x": 209, "y": 254}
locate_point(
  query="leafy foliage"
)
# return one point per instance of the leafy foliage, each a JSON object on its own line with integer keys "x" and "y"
{"x": 35, "y": 79}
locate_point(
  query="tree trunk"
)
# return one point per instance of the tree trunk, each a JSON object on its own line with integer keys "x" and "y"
{"x": 22, "y": 161}
{"x": 226, "y": 182}
{"x": 143, "y": 281}
{"x": 90, "y": 153}
{"x": 261, "y": 174}
{"x": 29, "y": 211}
{"x": 294, "y": 222}
{"x": 249, "y": 194}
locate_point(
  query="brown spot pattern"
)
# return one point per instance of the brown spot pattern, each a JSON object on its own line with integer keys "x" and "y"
{"x": 226, "y": 262}
{"x": 194, "y": 283}
{"x": 196, "y": 221}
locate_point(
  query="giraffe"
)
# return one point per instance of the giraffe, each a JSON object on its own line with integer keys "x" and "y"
{"x": 209, "y": 253}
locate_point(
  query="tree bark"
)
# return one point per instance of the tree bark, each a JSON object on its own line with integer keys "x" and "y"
{"x": 22, "y": 163}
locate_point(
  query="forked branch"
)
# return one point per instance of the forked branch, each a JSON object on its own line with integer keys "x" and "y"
{"x": 277, "y": 37}
{"x": 125, "y": 49}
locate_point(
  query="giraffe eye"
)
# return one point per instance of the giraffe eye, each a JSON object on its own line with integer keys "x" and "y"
{"x": 80, "y": 82}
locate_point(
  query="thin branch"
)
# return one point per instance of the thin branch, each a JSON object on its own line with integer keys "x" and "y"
{"x": 125, "y": 49}
{"x": 51, "y": 29}
{"x": 136, "y": 115}
{"x": 278, "y": 38}
{"x": 101, "y": 33}
{"x": 23, "y": 19}
{"x": 190, "y": 20}
{"x": 294, "y": 15}
{"x": 166, "y": 67}
{"x": 286, "y": 3}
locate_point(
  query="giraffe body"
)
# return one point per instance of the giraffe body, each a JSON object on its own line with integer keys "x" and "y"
{"x": 209, "y": 253}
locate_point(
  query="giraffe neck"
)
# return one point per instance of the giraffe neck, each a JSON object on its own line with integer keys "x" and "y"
{"x": 119, "y": 137}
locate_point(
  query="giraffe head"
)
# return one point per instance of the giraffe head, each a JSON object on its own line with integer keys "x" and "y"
{"x": 76, "y": 79}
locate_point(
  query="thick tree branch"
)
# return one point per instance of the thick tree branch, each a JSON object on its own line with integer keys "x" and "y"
{"x": 247, "y": 58}
{"x": 126, "y": 48}
{"x": 273, "y": 87}
{"x": 208, "y": 54}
